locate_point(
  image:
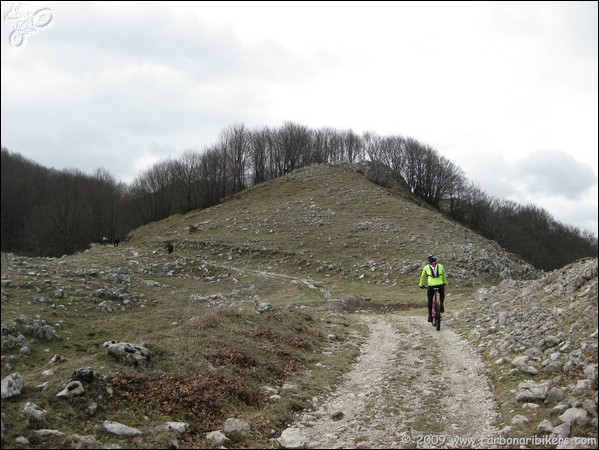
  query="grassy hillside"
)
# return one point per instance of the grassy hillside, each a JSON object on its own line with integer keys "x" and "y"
{"x": 329, "y": 222}
{"x": 306, "y": 247}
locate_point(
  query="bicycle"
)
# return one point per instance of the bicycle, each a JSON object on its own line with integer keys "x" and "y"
{"x": 436, "y": 310}
{"x": 25, "y": 22}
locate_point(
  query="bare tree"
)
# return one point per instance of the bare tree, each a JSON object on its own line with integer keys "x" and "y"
{"x": 468, "y": 203}
{"x": 105, "y": 199}
{"x": 212, "y": 175}
{"x": 24, "y": 185}
{"x": 64, "y": 213}
{"x": 354, "y": 147}
{"x": 186, "y": 176}
{"x": 291, "y": 142}
{"x": 322, "y": 144}
{"x": 234, "y": 142}
{"x": 371, "y": 146}
{"x": 260, "y": 143}
{"x": 152, "y": 192}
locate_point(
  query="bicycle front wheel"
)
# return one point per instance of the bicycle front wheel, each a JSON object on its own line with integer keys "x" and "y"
{"x": 438, "y": 318}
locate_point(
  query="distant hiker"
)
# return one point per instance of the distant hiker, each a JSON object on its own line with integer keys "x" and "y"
{"x": 433, "y": 275}
{"x": 104, "y": 240}
{"x": 170, "y": 247}
{"x": 117, "y": 241}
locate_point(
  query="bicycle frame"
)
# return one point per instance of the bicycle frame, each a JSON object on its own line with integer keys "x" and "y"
{"x": 436, "y": 310}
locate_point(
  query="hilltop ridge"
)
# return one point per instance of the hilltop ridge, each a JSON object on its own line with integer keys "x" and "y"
{"x": 329, "y": 219}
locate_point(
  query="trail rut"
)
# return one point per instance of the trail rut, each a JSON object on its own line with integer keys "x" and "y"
{"x": 411, "y": 387}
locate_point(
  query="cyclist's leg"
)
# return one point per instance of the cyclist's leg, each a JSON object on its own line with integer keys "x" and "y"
{"x": 429, "y": 294}
{"x": 442, "y": 296}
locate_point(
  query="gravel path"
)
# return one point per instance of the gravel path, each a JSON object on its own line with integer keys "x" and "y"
{"x": 412, "y": 387}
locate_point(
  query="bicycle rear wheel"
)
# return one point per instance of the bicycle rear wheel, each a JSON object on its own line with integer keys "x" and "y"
{"x": 438, "y": 316}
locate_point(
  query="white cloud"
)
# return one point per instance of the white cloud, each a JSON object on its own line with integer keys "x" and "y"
{"x": 555, "y": 173}
{"x": 487, "y": 84}
{"x": 552, "y": 180}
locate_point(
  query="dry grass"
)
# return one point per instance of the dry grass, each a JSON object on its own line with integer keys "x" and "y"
{"x": 304, "y": 243}
{"x": 210, "y": 361}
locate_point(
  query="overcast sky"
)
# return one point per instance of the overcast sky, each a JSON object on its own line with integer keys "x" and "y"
{"x": 506, "y": 90}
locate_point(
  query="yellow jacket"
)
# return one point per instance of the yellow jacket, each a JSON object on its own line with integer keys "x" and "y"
{"x": 428, "y": 276}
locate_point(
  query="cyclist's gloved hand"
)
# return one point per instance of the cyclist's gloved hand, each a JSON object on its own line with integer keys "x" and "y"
{"x": 422, "y": 287}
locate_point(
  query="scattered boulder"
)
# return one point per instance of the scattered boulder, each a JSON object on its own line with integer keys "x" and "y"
{"x": 233, "y": 426}
{"x": 127, "y": 353}
{"x": 292, "y": 438}
{"x": 31, "y": 409}
{"x": 73, "y": 389}
{"x": 121, "y": 430}
{"x": 12, "y": 385}
{"x": 217, "y": 438}
{"x": 530, "y": 391}
{"x": 574, "y": 416}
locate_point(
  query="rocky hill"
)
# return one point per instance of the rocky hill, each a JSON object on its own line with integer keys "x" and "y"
{"x": 258, "y": 312}
{"x": 539, "y": 339}
{"x": 330, "y": 220}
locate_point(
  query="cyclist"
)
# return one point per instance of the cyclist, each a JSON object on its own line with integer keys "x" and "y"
{"x": 433, "y": 275}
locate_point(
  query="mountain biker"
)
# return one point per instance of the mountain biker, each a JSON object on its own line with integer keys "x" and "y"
{"x": 433, "y": 275}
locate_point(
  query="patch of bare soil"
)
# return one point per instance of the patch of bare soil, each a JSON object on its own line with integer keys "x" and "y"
{"x": 412, "y": 387}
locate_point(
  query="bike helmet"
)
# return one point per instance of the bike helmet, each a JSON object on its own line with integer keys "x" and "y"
{"x": 432, "y": 258}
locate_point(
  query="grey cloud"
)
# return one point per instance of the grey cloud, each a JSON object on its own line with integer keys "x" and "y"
{"x": 87, "y": 45}
{"x": 109, "y": 132}
{"x": 555, "y": 173}
{"x": 494, "y": 175}
{"x": 552, "y": 180}
{"x": 584, "y": 17}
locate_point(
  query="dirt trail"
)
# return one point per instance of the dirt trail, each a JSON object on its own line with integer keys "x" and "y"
{"x": 412, "y": 387}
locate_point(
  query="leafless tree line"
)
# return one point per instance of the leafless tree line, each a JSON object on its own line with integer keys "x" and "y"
{"x": 50, "y": 213}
